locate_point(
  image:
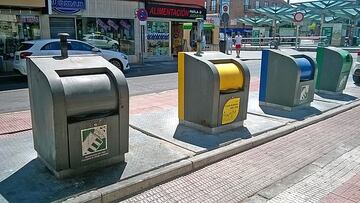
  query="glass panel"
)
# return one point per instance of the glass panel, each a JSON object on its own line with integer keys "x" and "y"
{"x": 25, "y": 46}
{"x": 157, "y": 38}
{"x": 15, "y": 29}
{"x": 78, "y": 46}
{"x": 109, "y": 33}
{"x": 51, "y": 46}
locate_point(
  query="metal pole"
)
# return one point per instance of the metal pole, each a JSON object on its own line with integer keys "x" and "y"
{"x": 64, "y": 44}
{"x": 225, "y": 39}
{"x": 142, "y": 44}
{"x": 297, "y": 37}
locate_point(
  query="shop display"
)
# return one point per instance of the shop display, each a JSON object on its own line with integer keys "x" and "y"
{"x": 109, "y": 33}
{"x": 158, "y": 38}
{"x": 15, "y": 29}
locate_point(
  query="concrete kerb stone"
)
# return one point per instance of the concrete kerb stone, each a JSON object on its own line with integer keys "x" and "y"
{"x": 139, "y": 183}
{"x": 145, "y": 181}
{"x": 91, "y": 197}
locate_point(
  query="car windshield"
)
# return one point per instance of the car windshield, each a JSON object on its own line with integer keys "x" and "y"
{"x": 25, "y": 46}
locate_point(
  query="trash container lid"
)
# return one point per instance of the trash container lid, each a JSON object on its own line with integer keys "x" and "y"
{"x": 305, "y": 68}
{"x": 231, "y": 76}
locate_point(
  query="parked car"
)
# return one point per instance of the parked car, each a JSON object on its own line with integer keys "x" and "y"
{"x": 76, "y": 47}
{"x": 101, "y": 41}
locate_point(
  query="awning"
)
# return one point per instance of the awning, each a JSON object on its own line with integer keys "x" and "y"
{"x": 207, "y": 26}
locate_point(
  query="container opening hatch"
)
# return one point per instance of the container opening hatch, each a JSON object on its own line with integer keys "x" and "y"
{"x": 231, "y": 77}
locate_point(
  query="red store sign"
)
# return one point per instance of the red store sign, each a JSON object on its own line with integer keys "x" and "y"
{"x": 166, "y": 11}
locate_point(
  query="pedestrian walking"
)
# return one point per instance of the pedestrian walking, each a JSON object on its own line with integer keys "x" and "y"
{"x": 238, "y": 39}
{"x": 229, "y": 44}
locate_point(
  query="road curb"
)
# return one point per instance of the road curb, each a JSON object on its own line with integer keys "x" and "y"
{"x": 137, "y": 184}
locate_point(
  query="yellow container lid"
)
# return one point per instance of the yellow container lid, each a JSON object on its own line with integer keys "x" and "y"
{"x": 231, "y": 77}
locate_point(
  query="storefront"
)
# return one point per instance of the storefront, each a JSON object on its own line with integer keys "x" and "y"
{"x": 165, "y": 36}
{"x": 17, "y": 24}
{"x": 104, "y": 24}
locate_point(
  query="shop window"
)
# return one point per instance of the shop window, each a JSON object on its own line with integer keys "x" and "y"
{"x": 158, "y": 38}
{"x": 15, "y": 29}
{"x": 108, "y": 33}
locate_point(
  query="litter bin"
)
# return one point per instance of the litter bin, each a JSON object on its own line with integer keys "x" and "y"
{"x": 213, "y": 91}
{"x": 287, "y": 80}
{"x": 79, "y": 112}
{"x": 334, "y": 67}
{"x": 222, "y": 46}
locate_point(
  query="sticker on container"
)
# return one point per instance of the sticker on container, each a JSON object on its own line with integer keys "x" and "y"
{"x": 231, "y": 111}
{"x": 304, "y": 93}
{"x": 93, "y": 141}
{"x": 342, "y": 82}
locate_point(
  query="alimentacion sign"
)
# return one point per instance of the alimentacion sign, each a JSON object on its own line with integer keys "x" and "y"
{"x": 172, "y": 11}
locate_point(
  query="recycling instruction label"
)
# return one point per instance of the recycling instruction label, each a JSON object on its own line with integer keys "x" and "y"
{"x": 304, "y": 94}
{"x": 342, "y": 82}
{"x": 231, "y": 111}
{"x": 94, "y": 142}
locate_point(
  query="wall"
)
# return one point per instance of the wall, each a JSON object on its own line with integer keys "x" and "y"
{"x": 23, "y": 3}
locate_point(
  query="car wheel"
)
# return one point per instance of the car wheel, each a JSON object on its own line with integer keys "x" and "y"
{"x": 115, "y": 47}
{"x": 356, "y": 76}
{"x": 117, "y": 63}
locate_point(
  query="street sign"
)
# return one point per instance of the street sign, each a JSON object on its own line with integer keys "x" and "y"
{"x": 225, "y": 18}
{"x": 225, "y": 8}
{"x": 298, "y": 17}
{"x": 142, "y": 14}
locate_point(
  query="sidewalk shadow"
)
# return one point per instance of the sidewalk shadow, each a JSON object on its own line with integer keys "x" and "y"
{"x": 340, "y": 97}
{"x": 35, "y": 183}
{"x": 298, "y": 113}
{"x": 207, "y": 140}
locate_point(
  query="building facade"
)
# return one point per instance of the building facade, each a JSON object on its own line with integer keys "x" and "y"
{"x": 19, "y": 21}
{"x": 238, "y": 9}
{"x": 107, "y": 24}
{"x": 165, "y": 33}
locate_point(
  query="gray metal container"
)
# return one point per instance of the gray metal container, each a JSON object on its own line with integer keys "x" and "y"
{"x": 79, "y": 111}
{"x": 213, "y": 91}
{"x": 287, "y": 80}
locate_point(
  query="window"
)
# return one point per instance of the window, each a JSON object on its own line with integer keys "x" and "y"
{"x": 121, "y": 33}
{"x": 51, "y": 46}
{"x": 257, "y": 4}
{"x": 78, "y": 46}
{"x": 266, "y": 4}
{"x": 25, "y": 46}
{"x": 99, "y": 37}
{"x": 246, "y": 4}
{"x": 213, "y": 5}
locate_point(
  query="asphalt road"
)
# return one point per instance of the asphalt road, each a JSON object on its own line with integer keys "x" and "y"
{"x": 14, "y": 95}
{"x": 154, "y": 78}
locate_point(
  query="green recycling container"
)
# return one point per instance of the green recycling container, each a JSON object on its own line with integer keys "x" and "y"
{"x": 334, "y": 67}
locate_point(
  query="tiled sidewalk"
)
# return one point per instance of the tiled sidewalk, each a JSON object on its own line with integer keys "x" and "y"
{"x": 21, "y": 121}
{"x": 243, "y": 175}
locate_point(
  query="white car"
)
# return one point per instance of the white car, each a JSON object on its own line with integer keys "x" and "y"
{"x": 76, "y": 47}
{"x": 101, "y": 41}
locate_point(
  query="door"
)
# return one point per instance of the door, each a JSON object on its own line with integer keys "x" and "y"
{"x": 61, "y": 25}
{"x": 327, "y": 31}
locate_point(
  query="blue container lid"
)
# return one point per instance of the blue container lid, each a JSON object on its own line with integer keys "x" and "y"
{"x": 305, "y": 67}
